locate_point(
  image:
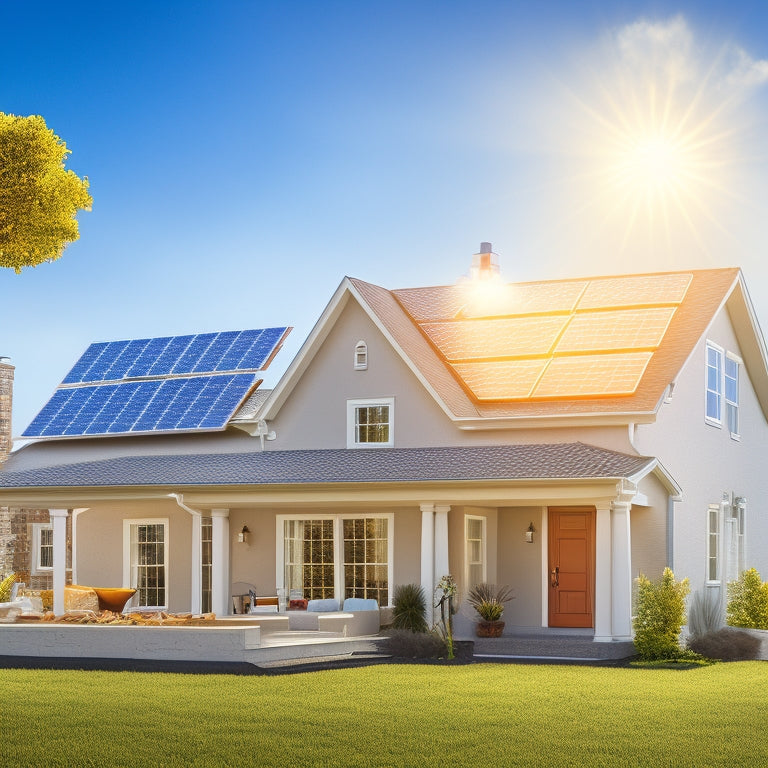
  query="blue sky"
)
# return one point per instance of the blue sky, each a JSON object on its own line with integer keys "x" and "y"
{"x": 244, "y": 156}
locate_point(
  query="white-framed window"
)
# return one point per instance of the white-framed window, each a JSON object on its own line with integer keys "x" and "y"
{"x": 361, "y": 356}
{"x": 42, "y": 547}
{"x": 732, "y": 394}
{"x": 336, "y": 556}
{"x": 713, "y": 543}
{"x": 474, "y": 548}
{"x": 145, "y": 560}
{"x": 371, "y": 423}
{"x": 206, "y": 563}
{"x": 715, "y": 384}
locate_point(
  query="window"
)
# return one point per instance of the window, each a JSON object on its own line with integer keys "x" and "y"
{"x": 474, "y": 543}
{"x": 145, "y": 560}
{"x": 713, "y": 543}
{"x": 714, "y": 383}
{"x": 42, "y": 547}
{"x": 337, "y": 556}
{"x": 736, "y": 539}
{"x": 370, "y": 423}
{"x": 361, "y": 356}
{"x": 732, "y": 394}
{"x": 206, "y": 563}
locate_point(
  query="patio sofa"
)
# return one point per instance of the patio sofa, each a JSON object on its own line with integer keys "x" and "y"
{"x": 357, "y": 617}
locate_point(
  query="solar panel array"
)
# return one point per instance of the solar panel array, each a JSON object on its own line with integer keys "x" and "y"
{"x": 168, "y": 384}
{"x": 560, "y": 339}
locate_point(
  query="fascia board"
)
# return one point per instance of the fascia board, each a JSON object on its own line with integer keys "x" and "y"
{"x": 659, "y": 470}
{"x": 303, "y": 358}
{"x": 560, "y": 420}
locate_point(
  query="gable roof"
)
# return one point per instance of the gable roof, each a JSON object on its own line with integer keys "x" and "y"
{"x": 595, "y": 350}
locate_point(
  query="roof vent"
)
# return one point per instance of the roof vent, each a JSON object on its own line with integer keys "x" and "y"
{"x": 485, "y": 265}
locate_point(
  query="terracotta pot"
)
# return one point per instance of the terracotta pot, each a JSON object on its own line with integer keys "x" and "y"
{"x": 489, "y": 628}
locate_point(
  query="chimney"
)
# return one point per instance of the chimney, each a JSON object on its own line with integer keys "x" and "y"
{"x": 6, "y": 402}
{"x": 485, "y": 265}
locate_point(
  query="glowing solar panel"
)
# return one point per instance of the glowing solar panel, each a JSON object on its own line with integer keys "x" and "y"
{"x": 635, "y": 290}
{"x": 505, "y": 337}
{"x": 490, "y": 300}
{"x": 168, "y": 384}
{"x": 626, "y": 329}
{"x": 507, "y": 380}
{"x": 592, "y": 375}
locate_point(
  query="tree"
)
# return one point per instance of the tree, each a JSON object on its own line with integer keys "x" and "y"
{"x": 38, "y": 196}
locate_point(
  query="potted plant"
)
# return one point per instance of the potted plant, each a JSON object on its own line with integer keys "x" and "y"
{"x": 489, "y": 600}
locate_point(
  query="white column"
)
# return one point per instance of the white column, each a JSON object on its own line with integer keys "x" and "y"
{"x": 220, "y": 599}
{"x": 621, "y": 583}
{"x": 195, "y": 584}
{"x": 59, "y": 519}
{"x": 428, "y": 558}
{"x": 603, "y": 575}
{"x": 441, "y": 542}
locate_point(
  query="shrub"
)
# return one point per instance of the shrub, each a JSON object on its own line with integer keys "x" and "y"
{"x": 705, "y": 613}
{"x": 748, "y": 601}
{"x": 409, "y": 608}
{"x": 660, "y": 616}
{"x": 727, "y": 644}
{"x": 489, "y": 600}
{"x": 5, "y": 587}
{"x": 416, "y": 645}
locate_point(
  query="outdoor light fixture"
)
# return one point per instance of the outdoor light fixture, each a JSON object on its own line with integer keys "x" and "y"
{"x": 529, "y": 531}
{"x": 242, "y": 537}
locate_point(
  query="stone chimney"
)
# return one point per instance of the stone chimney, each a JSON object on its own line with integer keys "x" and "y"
{"x": 485, "y": 265}
{"x": 6, "y": 403}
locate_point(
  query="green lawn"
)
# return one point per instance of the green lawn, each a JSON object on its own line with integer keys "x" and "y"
{"x": 390, "y": 715}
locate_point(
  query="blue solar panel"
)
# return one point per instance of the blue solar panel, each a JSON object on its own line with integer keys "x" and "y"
{"x": 170, "y": 383}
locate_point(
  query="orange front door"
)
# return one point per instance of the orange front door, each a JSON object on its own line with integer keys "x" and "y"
{"x": 571, "y": 566}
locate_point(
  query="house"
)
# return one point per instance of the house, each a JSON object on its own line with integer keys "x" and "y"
{"x": 560, "y": 437}
{"x": 26, "y": 535}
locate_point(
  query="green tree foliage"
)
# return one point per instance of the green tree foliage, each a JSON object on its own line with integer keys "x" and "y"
{"x": 38, "y": 197}
{"x": 748, "y": 601}
{"x": 660, "y": 616}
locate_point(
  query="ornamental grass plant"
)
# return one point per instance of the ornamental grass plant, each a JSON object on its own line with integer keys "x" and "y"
{"x": 409, "y": 608}
{"x": 489, "y": 600}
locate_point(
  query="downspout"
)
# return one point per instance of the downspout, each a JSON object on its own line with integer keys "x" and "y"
{"x": 195, "y": 580}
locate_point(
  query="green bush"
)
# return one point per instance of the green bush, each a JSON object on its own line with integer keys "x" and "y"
{"x": 660, "y": 616}
{"x": 409, "y": 608}
{"x": 748, "y": 601}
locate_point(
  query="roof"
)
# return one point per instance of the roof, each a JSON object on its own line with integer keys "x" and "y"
{"x": 567, "y": 461}
{"x": 591, "y": 350}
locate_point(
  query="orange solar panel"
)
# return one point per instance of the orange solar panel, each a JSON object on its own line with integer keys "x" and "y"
{"x": 436, "y": 303}
{"x": 522, "y": 299}
{"x": 622, "y": 329}
{"x": 635, "y": 290}
{"x": 507, "y": 380}
{"x": 504, "y": 337}
{"x": 593, "y": 375}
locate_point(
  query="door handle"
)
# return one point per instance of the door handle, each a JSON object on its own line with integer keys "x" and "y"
{"x": 555, "y": 577}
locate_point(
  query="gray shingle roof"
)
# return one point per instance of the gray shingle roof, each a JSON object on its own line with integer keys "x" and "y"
{"x": 502, "y": 462}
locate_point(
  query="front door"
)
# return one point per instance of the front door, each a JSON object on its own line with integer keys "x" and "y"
{"x": 571, "y": 566}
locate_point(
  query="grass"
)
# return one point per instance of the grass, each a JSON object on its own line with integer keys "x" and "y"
{"x": 389, "y": 715}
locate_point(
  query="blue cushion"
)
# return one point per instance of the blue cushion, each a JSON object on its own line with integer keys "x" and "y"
{"x": 360, "y": 604}
{"x": 323, "y": 606}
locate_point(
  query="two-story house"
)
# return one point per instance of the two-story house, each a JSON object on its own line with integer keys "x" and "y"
{"x": 559, "y": 437}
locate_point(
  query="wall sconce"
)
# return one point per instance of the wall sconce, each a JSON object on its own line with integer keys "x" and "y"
{"x": 529, "y": 531}
{"x": 242, "y": 537}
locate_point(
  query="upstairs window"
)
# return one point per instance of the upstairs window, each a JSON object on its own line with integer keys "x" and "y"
{"x": 732, "y": 394}
{"x": 361, "y": 356}
{"x": 714, "y": 384}
{"x": 370, "y": 423}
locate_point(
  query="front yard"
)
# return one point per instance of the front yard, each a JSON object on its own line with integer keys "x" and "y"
{"x": 390, "y": 715}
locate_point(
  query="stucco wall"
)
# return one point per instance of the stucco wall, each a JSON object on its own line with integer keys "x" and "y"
{"x": 706, "y": 462}
{"x": 649, "y": 530}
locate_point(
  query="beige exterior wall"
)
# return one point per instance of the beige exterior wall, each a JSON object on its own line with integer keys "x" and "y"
{"x": 315, "y": 413}
{"x": 707, "y": 462}
{"x": 649, "y": 530}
